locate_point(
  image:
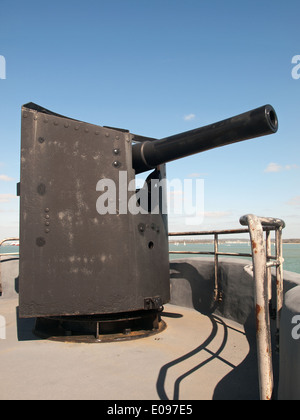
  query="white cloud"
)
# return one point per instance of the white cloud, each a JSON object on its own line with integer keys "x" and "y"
{"x": 289, "y": 167}
{"x": 6, "y": 198}
{"x": 295, "y": 201}
{"x": 189, "y": 117}
{"x": 5, "y": 178}
{"x": 275, "y": 167}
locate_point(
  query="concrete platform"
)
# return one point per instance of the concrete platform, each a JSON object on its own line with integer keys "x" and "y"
{"x": 197, "y": 357}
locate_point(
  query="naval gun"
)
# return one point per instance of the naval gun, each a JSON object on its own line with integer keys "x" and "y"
{"x": 251, "y": 124}
{"x": 106, "y": 266}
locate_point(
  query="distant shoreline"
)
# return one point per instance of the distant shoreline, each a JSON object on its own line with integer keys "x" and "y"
{"x": 200, "y": 241}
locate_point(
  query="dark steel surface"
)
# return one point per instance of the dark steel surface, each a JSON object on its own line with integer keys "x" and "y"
{"x": 74, "y": 261}
{"x": 251, "y": 124}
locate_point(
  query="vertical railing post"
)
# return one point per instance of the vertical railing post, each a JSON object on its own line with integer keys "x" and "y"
{"x": 216, "y": 250}
{"x": 263, "y": 330}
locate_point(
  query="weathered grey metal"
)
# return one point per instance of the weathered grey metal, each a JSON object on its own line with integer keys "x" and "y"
{"x": 74, "y": 261}
{"x": 262, "y": 297}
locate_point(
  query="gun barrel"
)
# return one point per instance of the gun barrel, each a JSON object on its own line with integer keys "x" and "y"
{"x": 255, "y": 123}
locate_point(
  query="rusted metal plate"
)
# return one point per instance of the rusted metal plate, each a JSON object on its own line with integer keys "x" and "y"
{"x": 74, "y": 261}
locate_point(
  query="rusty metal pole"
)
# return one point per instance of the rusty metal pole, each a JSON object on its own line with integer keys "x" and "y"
{"x": 263, "y": 333}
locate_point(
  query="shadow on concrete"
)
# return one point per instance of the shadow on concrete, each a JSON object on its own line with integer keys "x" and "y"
{"x": 240, "y": 384}
{"x": 194, "y": 288}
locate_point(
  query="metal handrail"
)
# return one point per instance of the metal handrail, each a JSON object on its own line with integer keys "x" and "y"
{"x": 216, "y": 253}
{"x": 8, "y": 240}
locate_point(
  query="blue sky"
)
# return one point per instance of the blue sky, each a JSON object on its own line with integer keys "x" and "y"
{"x": 146, "y": 65}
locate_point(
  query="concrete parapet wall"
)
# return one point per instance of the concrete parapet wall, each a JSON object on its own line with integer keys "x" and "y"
{"x": 192, "y": 286}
